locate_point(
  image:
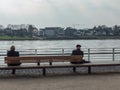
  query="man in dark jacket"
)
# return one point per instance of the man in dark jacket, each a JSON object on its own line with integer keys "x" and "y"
{"x": 78, "y": 51}
{"x": 13, "y": 53}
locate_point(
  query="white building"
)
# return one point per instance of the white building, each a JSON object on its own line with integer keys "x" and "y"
{"x": 16, "y": 27}
{"x": 52, "y": 32}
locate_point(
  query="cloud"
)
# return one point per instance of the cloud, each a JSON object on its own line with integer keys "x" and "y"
{"x": 60, "y": 12}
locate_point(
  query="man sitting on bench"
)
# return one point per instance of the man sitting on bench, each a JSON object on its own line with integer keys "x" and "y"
{"x": 78, "y": 51}
{"x": 13, "y": 53}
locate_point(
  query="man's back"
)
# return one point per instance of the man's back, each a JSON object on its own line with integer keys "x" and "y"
{"x": 12, "y": 53}
{"x": 77, "y": 52}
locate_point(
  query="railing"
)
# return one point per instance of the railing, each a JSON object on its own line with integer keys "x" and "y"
{"x": 103, "y": 54}
{"x": 91, "y": 54}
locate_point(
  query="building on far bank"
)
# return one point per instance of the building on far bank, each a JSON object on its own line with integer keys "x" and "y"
{"x": 51, "y": 32}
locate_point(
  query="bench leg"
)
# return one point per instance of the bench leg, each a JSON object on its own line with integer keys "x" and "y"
{"x": 74, "y": 69}
{"x": 44, "y": 71}
{"x": 13, "y": 71}
{"x": 89, "y": 69}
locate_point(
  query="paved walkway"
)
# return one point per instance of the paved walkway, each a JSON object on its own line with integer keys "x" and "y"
{"x": 59, "y": 71}
{"x": 101, "y": 81}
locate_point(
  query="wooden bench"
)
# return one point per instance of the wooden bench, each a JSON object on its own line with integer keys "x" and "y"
{"x": 50, "y": 59}
{"x": 40, "y": 59}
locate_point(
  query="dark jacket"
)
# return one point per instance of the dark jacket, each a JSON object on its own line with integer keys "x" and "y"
{"x": 13, "y": 53}
{"x": 77, "y": 52}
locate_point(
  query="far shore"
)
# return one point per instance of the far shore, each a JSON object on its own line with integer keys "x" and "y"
{"x": 3, "y": 38}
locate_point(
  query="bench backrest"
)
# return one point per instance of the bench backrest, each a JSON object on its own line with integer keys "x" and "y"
{"x": 29, "y": 59}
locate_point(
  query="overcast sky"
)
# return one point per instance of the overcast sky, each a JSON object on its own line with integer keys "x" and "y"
{"x": 77, "y": 13}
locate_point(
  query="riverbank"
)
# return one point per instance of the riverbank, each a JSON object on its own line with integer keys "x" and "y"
{"x": 83, "y": 38}
{"x": 62, "y": 38}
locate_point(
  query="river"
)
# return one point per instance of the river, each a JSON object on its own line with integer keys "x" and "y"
{"x": 43, "y": 44}
{"x": 56, "y": 46}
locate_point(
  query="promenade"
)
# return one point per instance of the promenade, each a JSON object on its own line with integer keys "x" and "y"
{"x": 104, "y": 81}
{"x": 102, "y": 78}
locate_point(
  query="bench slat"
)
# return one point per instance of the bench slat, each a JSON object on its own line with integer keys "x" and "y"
{"x": 36, "y": 59}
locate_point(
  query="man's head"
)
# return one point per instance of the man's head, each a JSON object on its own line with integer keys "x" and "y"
{"x": 12, "y": 48}
{"x": 78, "y": 46}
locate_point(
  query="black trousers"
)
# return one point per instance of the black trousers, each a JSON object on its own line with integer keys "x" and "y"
{"x": 81, "y": 62}
{"x": 16, "y": 64}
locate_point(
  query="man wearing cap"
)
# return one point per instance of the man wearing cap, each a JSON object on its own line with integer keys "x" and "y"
{"x": 78, "y": 51}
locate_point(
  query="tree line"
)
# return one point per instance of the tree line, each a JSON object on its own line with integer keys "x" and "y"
{"x": 32, "y": 31}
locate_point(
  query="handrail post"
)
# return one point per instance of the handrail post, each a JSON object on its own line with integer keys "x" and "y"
{"x": 88, "y": 54}
{"x": 113, "y": 54}
{"x": 35, "y": 51}
{"x": 62, "y": 51}
{"x": 38, "y": 62}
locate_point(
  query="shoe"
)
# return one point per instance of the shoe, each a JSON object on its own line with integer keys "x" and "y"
{"x": 86, "y": 61}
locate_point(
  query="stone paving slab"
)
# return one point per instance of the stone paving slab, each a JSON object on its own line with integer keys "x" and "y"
{"x": 53, "y": 71}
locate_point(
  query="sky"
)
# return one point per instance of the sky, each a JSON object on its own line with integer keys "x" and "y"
{"x": 60, "y": 13}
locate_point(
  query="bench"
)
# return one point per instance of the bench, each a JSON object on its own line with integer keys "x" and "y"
{"x": 51, "y": 59}
{"x": 41, "y": 59}
{"x": 38, "y": 59}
